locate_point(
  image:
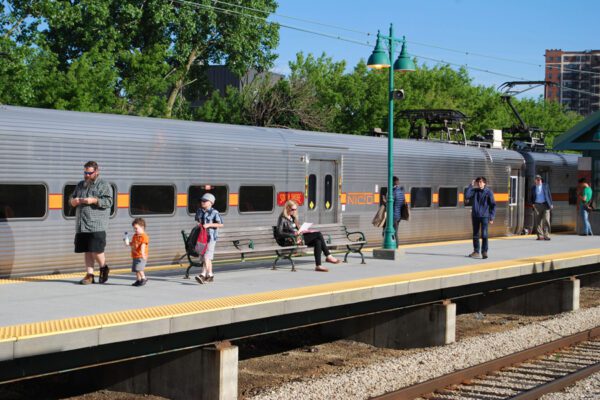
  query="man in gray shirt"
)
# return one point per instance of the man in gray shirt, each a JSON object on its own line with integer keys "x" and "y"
{"x": 93, "y": 199}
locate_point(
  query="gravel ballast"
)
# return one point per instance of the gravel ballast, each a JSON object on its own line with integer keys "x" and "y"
{"x": 395, "y": 373}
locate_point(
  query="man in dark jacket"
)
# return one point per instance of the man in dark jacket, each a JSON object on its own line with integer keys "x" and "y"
{"x": 541, "y": 199}
{"x": 483, "y": 211}
{"x": 398, "y": 203}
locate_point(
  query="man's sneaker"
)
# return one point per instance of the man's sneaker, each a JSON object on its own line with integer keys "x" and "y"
{"x": 88, "y": 279}
{"x": 484, "y": 254}
{"x": 103, "y": 274}
{"x": 200, "y": 279}
{"x": 136, "y": 283}
{"x": 209, "y": 278}
{"x": 474, "y": 255}
{"x": 143, "y": 282}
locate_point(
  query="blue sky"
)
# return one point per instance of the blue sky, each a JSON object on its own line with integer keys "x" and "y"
{"x": 517, "y": 30}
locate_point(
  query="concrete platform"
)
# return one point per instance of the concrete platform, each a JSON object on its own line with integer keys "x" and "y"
{"x": 45, "y": 316}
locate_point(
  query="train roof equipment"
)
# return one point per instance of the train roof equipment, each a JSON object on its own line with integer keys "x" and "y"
{"x": 437, "y": 124}
{"x": 448, "y": 126}
{"x": 521, "y": 136}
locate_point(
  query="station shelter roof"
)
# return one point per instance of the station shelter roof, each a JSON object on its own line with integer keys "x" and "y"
{"x": 585, "y": 136}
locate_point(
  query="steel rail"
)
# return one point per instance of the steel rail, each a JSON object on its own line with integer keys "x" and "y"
{"x": 465, "y": 375}
{"x": 558, "y": 384}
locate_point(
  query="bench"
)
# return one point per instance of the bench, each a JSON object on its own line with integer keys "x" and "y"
{"x": 337, "y": 235}
{"x": 260, "y": 240}
{"x": 237, "y": 243}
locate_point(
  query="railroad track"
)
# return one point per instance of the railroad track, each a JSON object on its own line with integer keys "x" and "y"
{"x": 525, "y": 375}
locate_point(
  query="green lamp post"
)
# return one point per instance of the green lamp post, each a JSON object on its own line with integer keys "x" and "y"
{"x": 379, "y": 60}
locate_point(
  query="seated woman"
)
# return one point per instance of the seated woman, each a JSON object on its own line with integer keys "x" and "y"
{"x": 288, "y": 233}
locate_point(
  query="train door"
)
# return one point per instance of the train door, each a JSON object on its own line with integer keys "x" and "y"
{"x": 322, "y": 192}
{"x": 513, "y": 203}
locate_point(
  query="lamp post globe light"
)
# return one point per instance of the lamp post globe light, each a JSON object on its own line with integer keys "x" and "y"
{"x": 379, "y": 60}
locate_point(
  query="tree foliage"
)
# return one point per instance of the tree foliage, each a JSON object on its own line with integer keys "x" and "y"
{"x": 149, "y": 57}
{"x": 145, "y": 57}
{"x": 320, "y": 95}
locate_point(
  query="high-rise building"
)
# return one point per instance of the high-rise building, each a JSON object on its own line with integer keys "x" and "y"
{"x": 576, "y": 78}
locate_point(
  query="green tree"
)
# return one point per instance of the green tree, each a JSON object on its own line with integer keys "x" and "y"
{"x": 228, "y": 109}
{"x": 138, "y": 56}
{"x": 205, "y": 36}
{"x": 319, "y": 95}
{"x": 308, "y": 99}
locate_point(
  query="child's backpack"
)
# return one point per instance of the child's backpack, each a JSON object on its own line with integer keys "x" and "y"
{"x": 201, "y": 241}
{"x": 197, "y": 241}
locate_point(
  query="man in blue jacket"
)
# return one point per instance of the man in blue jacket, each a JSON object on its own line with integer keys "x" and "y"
{"x": 483, "y": 211}
{"x": 399, "y": 199}
{"x": 541, "y": 199}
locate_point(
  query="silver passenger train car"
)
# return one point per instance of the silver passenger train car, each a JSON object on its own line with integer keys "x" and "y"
{"x": 160, "y": 168}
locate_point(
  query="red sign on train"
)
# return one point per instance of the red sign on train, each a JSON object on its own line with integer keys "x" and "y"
{"x": 282, "y": 197}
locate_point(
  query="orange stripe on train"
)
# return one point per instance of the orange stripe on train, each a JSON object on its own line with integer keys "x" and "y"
{"x": 55, "y": 201}
{"x": 182, "y": 200}
{"x": 123, "y": 200}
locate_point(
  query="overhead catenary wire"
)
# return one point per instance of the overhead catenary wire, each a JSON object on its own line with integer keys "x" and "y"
{"x": 331, "y": 36}
{"x": 358, "y": 42}
{"x": 412, "y": 42}
{"x": 306, "y": 30}
{"x": 293, "y": 18}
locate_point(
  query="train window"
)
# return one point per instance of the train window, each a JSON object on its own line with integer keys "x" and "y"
{"x": 22, "y": 200}
{"x": 69, "y": 212}
{"x": 466, "y": 202}
{"x": 113, "y": 208}
{"x": 256, "y": 198}
{"x": 514, "y": 190}
{"x": 328, "y": 192}
{"x": 195, "y": 193}
{"x": 420, "y": 197}
{"x": 312, "y": 191}
{"x": 573, "y": 196}
{"x": 152, "y": 200}
{"x": 448, "y": 197}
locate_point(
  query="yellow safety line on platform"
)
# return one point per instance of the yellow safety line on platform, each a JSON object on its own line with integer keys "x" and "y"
{"x": 45, "y": 328}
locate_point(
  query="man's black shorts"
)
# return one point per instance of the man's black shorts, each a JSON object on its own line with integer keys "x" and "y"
{"x": 94, "y": 242}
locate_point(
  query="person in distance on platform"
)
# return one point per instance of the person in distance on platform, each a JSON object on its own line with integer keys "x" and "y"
{"x": 380, "y": 218}
{"x": 139, "y": 251}
{"x": 211, "y": 220}
{"x": 288, "y": 232}
{"x": 399, "y": 200}
{"x": 585, "y": 199}
{"x": 541, "y": 198}
{"x": 398, "y": 193}
{"x": 93, "y": 199}
{"x": 483, "y": 211}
